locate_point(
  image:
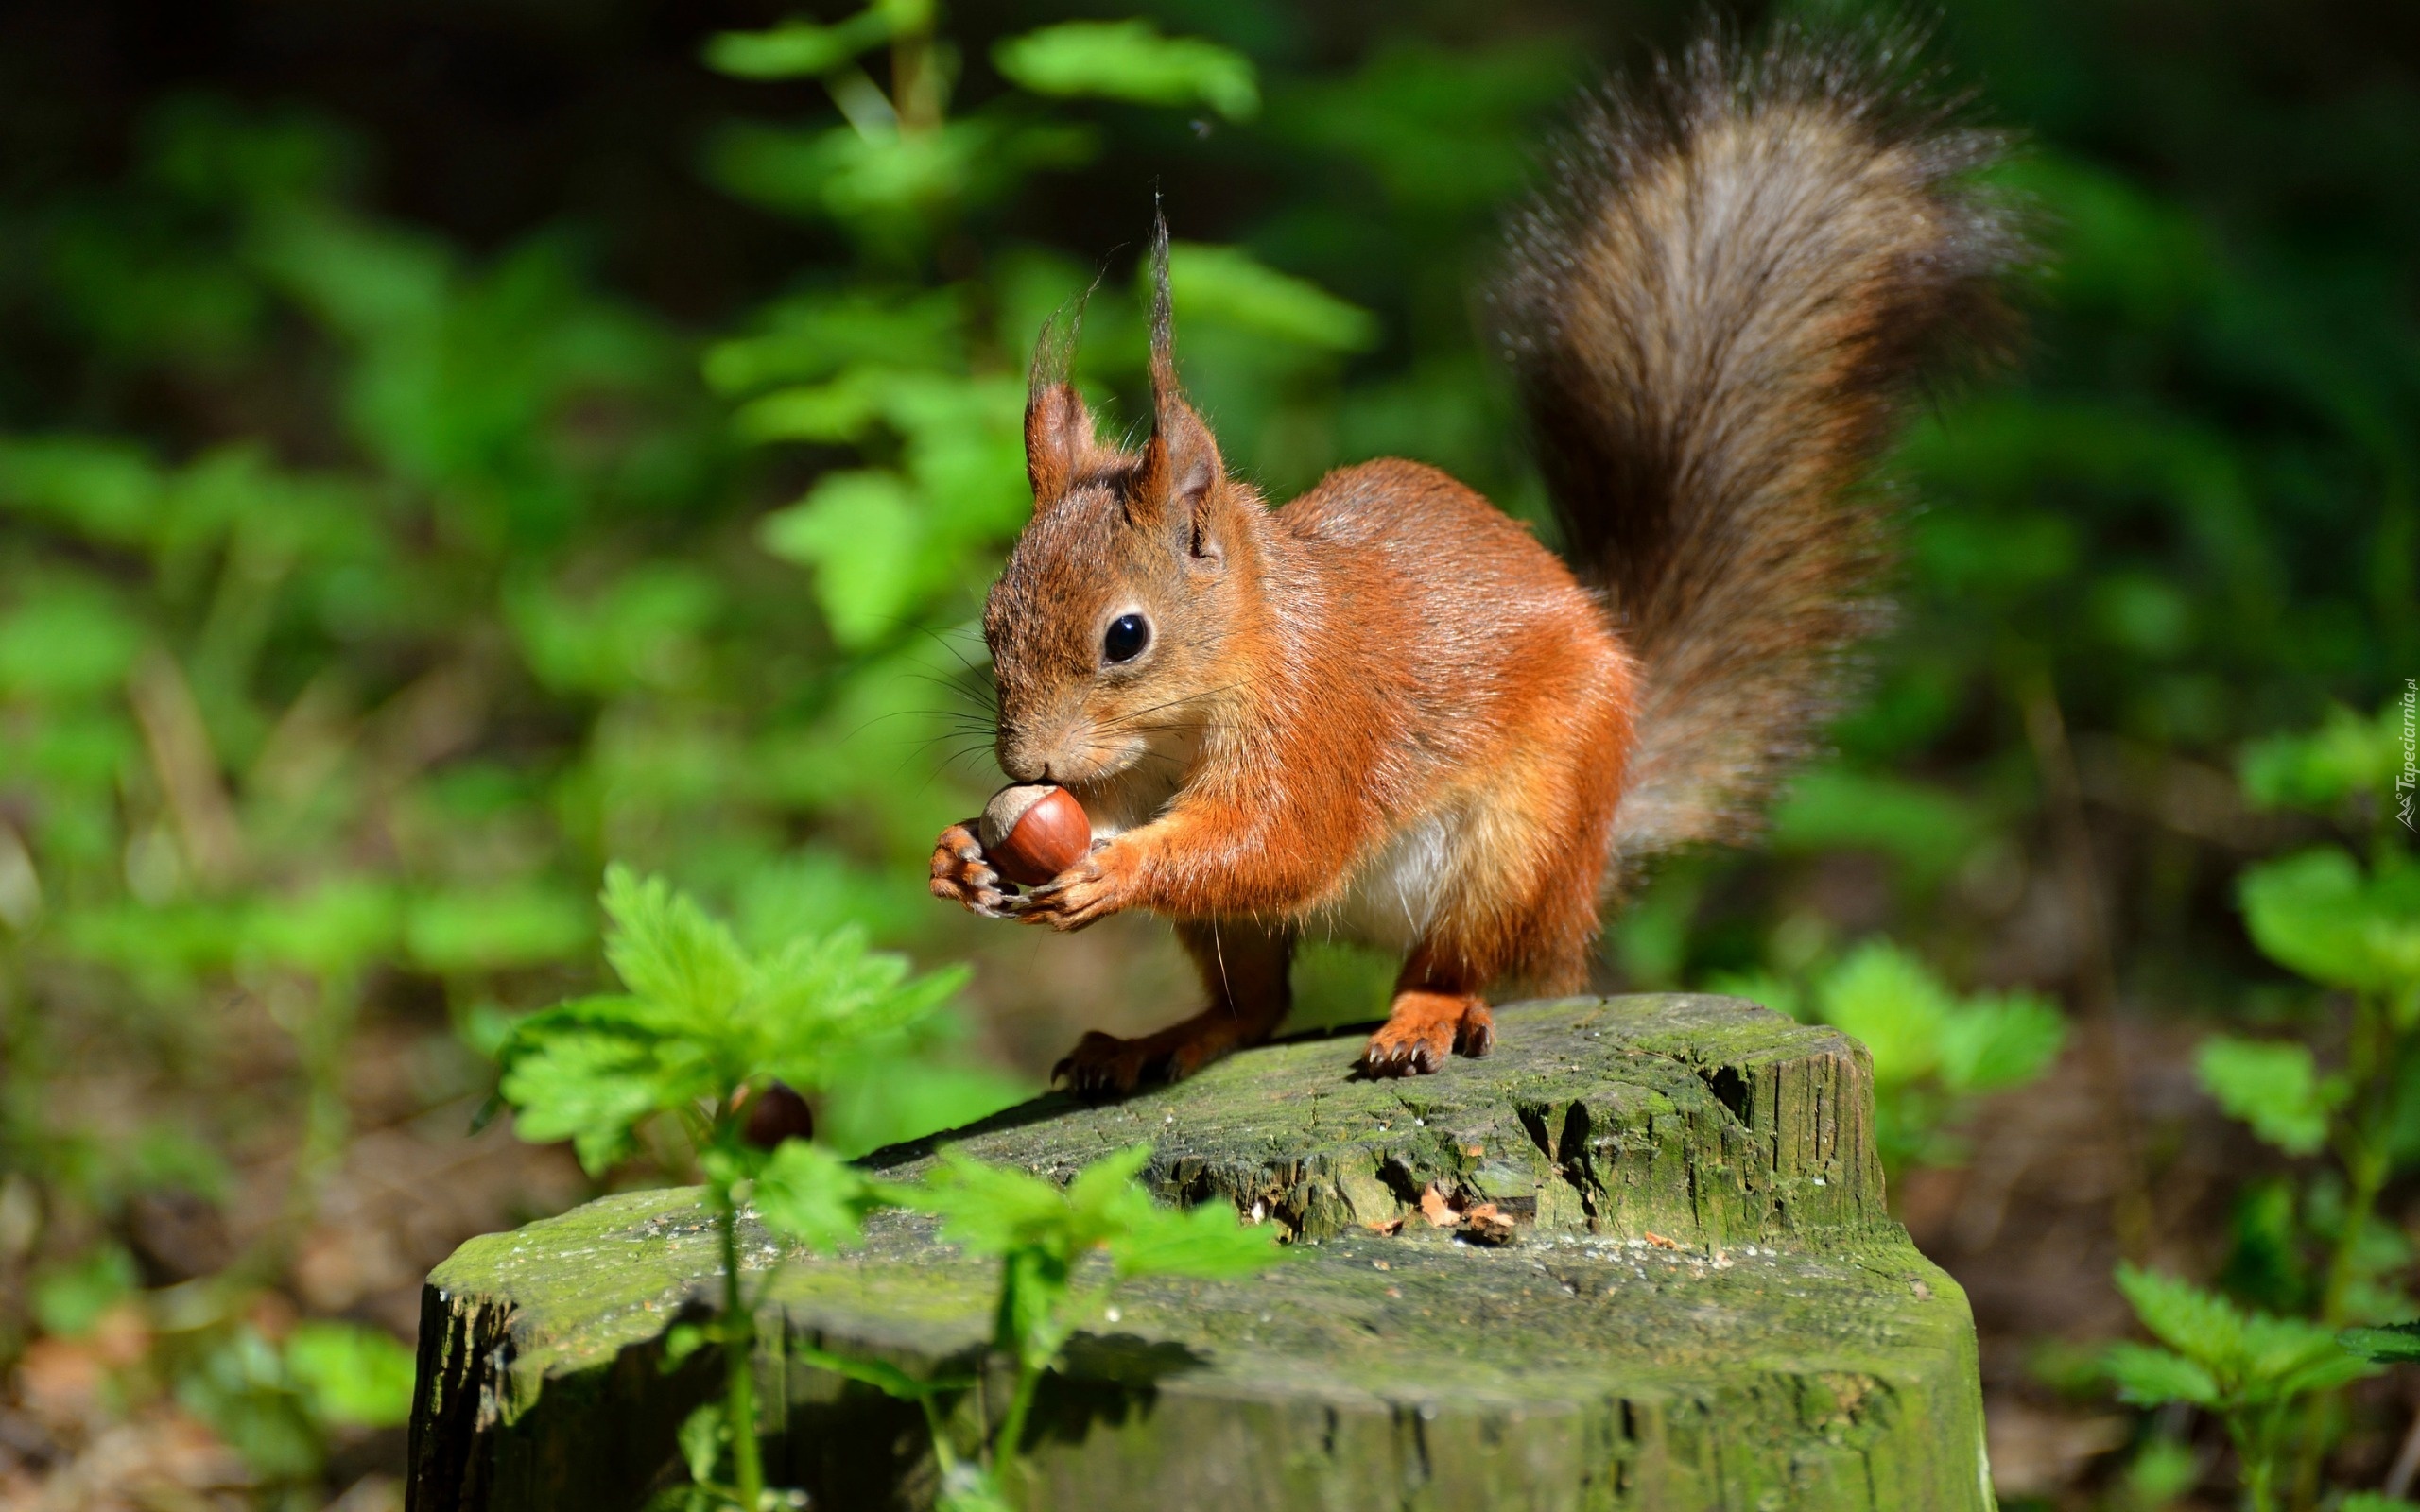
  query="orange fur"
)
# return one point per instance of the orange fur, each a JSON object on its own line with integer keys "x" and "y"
{"x": 1384, "y": 709}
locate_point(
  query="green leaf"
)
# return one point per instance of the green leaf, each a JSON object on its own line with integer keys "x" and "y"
{"x": 67, "y": 639}
{"x": 2163, "y": 1470}
{"x": 1927, "y": 830}
{"x": 824, "y": 995}
{"x": 815, "y": 336}
{"x": 592, "y": 1070}
{"x": 881, "y": 1375}
{"x": 2289, "y": 1357}
{"x": 2394, "y": 1344}
{"x": 1206, "y": 1241}
{"x": 2344, "y": 756}
{"x": 890, "y": 189}
{"x": 992, "y": 1209}
{"x": 244, "y": 1387}
{"x": 1764, "y": 988}
{"x": 334, "y": 930}
{"x": 1130, "y": 60}
{"x": 1992, "y": 1042}
{"x": 2151, "y": 1377}
{"x": 2197, "y": 1324}
{"x": 2317, "y": 914}
{"x": 667, "y": 951}
{"x": 102, "y": 488}
{"x": 683, "y": 1340}
{"x": 795, "y": 49}
{"x": 2325, "y": 1372}
{"x": 702, "y": 1019}
{"x": 2375, "y": 1502}
{"x": 1229, "y": 285}
{"x": 2273, "y": 1085}
{"x": 861, "y": 533}
{"x": 810, "y": 1194}
{"x": 69, "y": 1299}
{"x": 462, "y": 930}
{"x": 700, "y": 1438}
{"x": 1893, "y": 1004}
{"x": 347, "y": 1374}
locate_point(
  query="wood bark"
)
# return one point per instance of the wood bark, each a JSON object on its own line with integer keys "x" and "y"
{"x": 1706, "y": 1303}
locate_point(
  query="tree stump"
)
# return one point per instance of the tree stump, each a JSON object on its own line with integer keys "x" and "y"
{"x": 1703, "y": 1303}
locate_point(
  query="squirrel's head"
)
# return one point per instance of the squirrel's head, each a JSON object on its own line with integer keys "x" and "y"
{"x": 1107, "y": 625}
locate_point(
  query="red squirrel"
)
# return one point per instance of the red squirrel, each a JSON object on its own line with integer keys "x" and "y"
{"x": 1384, "y": 709}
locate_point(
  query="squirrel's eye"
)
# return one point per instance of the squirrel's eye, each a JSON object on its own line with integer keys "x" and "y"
{"x": 1127, "y": 636}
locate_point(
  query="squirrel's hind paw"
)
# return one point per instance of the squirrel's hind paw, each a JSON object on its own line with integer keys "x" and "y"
{"x": 1423, "y": 1028}
{"x": 1104, "y": 1066}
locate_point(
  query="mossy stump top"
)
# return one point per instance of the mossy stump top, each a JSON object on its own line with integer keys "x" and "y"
{"x": 1705, "y": 1304}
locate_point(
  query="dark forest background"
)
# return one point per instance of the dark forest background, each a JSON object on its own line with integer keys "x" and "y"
{"x": 445, "y": 447}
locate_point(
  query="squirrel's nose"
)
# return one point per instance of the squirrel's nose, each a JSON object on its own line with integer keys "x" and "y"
{"x": 1017, "y": 759}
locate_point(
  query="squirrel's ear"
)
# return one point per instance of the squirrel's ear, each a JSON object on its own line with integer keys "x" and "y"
{"x": 1182, "y": 468}
{"x": 1058, "y": 427}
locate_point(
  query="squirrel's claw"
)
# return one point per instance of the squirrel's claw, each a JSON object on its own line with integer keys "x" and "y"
{"x": 962, "y": 876}
{"x": 1104, "y": 1066}
{"x": 1423, "y": 1028}
{"x": 1083, "y": 894}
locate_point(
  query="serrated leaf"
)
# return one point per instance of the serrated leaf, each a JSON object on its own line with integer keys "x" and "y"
{"x": 593, "y": 1079}
{"x": 667, "y": 950}
{"x": 2325, "y": 1373}
{"x": 2275, "y": 1348}
{"x": 2199, "y": 1325}
{"x": 1104, "y": 1193}
{"x": 1130, "y": 60}
{"x": 810, "y": 1194}
{"x": 2151, "y": 1377}
{"x": 2393, "y": 1344}
{"x": 2273, "y": 1085}
{"x": 991, "y": 1210}
{"x": 1206, "y": 1241}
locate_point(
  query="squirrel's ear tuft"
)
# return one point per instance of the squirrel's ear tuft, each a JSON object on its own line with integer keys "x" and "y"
{"x": 1163, "y": 353}
{"x": 1180, "y": 465}
{"x": 1058, "y": 427}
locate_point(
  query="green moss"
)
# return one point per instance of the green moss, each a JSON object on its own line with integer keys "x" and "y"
{"x": 1794, "y": 1351}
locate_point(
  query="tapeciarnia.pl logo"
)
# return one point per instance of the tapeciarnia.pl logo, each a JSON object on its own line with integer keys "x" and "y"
{"x": 2408, "y": 780}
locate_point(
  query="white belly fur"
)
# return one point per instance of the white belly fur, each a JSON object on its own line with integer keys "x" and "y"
{"x": 1393, "y": 895}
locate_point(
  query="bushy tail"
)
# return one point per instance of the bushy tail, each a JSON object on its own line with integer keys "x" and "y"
{"x": 1715, "y": 313}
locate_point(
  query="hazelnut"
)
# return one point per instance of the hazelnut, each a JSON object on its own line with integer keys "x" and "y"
{"x": 1032, "y": 832}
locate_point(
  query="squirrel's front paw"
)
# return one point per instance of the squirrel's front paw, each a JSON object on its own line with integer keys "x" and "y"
{"x": 1092, "y": 889}
{"x": 962, "y": 876}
